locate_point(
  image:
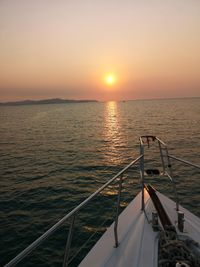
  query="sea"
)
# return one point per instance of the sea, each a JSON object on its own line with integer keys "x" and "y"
{"x": 54, "y": 156}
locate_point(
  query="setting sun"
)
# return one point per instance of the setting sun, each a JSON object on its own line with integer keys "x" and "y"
{"x": 110, "y": 79}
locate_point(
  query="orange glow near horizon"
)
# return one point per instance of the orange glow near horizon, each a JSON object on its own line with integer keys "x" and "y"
{"x": 73, "y": 50}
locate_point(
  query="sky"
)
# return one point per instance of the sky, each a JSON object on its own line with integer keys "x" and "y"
{"x": 68, "y": 48}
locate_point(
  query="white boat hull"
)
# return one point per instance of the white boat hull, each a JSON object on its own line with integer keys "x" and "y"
{"x": 138, "y": 243}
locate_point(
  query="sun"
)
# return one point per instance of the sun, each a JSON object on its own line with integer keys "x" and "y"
{"x": 110, "y": 79}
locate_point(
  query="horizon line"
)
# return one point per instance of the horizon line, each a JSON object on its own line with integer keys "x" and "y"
{"x": 95, "y": 100}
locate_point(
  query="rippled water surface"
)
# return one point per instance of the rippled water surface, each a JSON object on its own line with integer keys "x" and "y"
{"x": 54, "y": 156}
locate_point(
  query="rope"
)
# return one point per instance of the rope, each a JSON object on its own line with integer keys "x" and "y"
{"x": 174, "y": 252}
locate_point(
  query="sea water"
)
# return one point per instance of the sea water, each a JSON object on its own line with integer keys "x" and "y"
{"x": 52, "y": 157}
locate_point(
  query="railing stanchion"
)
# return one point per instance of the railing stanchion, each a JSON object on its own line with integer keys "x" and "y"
{"x": 118, "y": 207}
{"x": 175, "y": 190}
{"x": 173, "y": 181}
{"x": 142, "y": 170}
{"x": 71, "y": 214}
{"x": 69, "y": 240}
{"x": 161, "y": 155}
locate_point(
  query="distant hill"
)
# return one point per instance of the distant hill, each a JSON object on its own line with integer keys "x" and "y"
{"x": 45, "y": 101}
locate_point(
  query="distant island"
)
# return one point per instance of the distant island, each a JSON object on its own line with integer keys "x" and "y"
{"x": 45, "y": 101}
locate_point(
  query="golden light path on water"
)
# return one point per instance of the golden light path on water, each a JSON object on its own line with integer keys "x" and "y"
{"x": 113, "y": 138}
{"x": 112, "y": 130}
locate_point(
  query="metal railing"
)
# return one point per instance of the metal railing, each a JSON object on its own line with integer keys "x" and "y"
{"x": 71, "y": 215}
{"x": 167, "y": 170}
{"x": 186, "y": 162}
{"x": 166, "y": 164}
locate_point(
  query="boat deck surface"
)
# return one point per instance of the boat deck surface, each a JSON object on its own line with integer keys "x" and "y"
{"x": 138, "y": 243}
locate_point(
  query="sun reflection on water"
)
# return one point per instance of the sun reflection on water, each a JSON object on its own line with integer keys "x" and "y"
{"x": 112, "y": 132}
{"x": 111, "y": 120}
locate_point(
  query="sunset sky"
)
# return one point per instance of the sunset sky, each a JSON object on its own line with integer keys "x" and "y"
{"x": 99, "y": 49}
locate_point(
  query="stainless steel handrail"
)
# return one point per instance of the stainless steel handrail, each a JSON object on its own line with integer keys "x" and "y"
{"x": 71, "y": 215}
{"x": 160, "y": 141}
{"x": 185, "y": 161}
{"x": 142, "y": 170}
{"x": 56, "y": 226}
{"x": 175, "y": 190}
{"x": 165, "y": 165}
{"x": 117, "y": 214}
